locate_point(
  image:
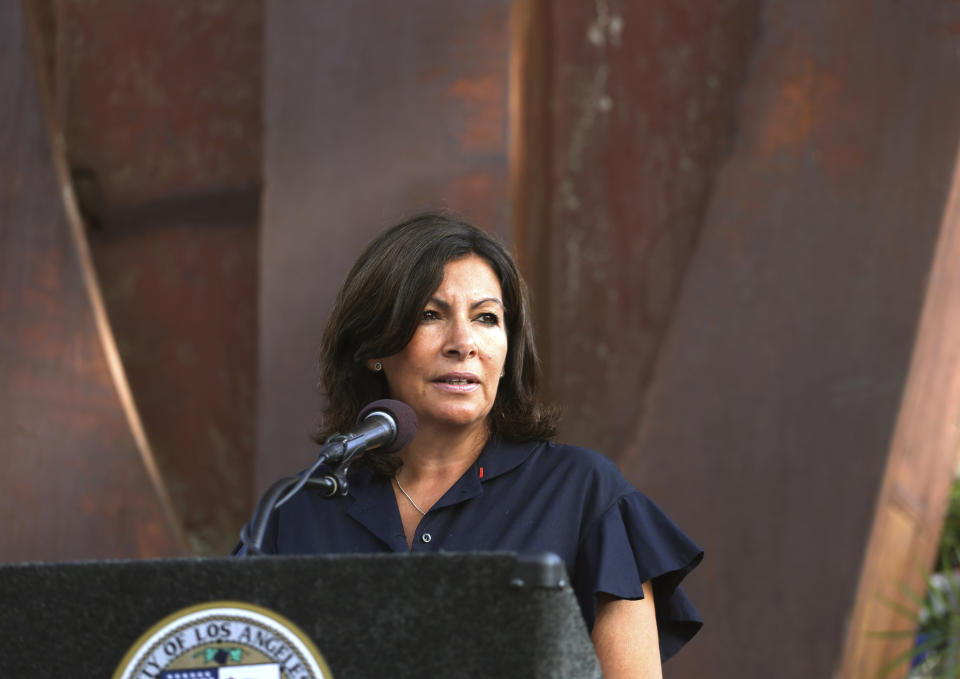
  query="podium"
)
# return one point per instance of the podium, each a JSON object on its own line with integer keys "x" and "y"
{"x": 437, "y": 615}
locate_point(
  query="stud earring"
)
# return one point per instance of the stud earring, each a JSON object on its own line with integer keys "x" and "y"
{"x": 378, "y": 366}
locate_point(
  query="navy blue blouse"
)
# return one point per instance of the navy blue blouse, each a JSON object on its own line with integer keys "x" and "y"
{"x": 519, "y": 497}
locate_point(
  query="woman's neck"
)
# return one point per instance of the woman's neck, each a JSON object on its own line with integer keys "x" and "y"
{"x": 436, "y": 454}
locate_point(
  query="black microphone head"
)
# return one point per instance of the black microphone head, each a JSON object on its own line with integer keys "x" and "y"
{"x": 403, "y": 416}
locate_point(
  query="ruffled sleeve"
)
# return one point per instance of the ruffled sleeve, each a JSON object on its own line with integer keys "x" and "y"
{"x": 631, "y": 542}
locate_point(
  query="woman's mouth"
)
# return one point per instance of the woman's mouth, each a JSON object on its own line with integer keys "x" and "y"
{"x": 457, "y": 382}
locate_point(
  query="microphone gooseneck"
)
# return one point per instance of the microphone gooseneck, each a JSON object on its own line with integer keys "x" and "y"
{"x": 386, "y": 426}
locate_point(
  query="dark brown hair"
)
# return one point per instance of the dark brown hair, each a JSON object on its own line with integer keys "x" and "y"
{"x": 379, "y": 308}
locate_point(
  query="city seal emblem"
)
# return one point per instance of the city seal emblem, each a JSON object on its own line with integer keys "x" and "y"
{"x": 223, "y": 640}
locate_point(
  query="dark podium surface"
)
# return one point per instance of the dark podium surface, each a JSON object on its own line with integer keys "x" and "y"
{"x": 439, "y": 615}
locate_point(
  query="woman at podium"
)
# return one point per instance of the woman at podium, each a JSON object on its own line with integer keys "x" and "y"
{"x": 434, "y": 313}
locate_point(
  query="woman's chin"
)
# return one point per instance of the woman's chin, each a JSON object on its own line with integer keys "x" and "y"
{"x": 466, "y": 419}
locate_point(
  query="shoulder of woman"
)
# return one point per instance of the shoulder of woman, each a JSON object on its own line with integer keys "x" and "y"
{"x": 583, "y": 467}
{"x": 578, "y": 466}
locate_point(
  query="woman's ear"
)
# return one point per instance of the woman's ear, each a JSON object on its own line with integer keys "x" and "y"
{"x": 374, "y": 365}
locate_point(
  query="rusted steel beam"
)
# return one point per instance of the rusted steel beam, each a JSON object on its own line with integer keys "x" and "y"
{"x": 795, "y": 382}
{"x": 79, "y": 478}
{"x": 637, "y": 116}
{"x": 160, "y": 104}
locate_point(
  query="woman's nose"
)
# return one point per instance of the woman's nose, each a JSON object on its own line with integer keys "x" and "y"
{"x": 461, "y": 341}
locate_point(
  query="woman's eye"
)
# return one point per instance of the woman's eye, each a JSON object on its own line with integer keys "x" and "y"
{"x": 430, "y": 315}
{"x": 489, "y": 318}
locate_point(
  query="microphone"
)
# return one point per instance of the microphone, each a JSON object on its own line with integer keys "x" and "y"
{"x": 385, "y": 424}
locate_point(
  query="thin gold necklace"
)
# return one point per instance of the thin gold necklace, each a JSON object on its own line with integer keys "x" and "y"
{"x": 407, "y": 495}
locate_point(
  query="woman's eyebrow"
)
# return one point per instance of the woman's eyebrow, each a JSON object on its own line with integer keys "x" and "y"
{"x": 443, "y": 304}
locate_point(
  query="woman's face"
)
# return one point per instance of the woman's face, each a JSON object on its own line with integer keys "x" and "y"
{"x": 450, "y": 370}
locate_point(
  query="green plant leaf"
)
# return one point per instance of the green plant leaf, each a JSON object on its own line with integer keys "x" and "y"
{"x": 915, "y": 597}
{"x": 908, "y": 613}
{"x": 891, "y": 633}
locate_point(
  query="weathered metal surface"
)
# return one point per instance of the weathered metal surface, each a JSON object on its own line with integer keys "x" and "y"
{"x": 161, "y": 98}
{"x": 160, "y": 103}
{"x": 180, "y": 281}
{"x": 372, "y": 111}
{"x": 923, "y": 456}
{"x": 74, "y": 483}
{"x": 643, "y": 99}
{"x": 773, "y": 412}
